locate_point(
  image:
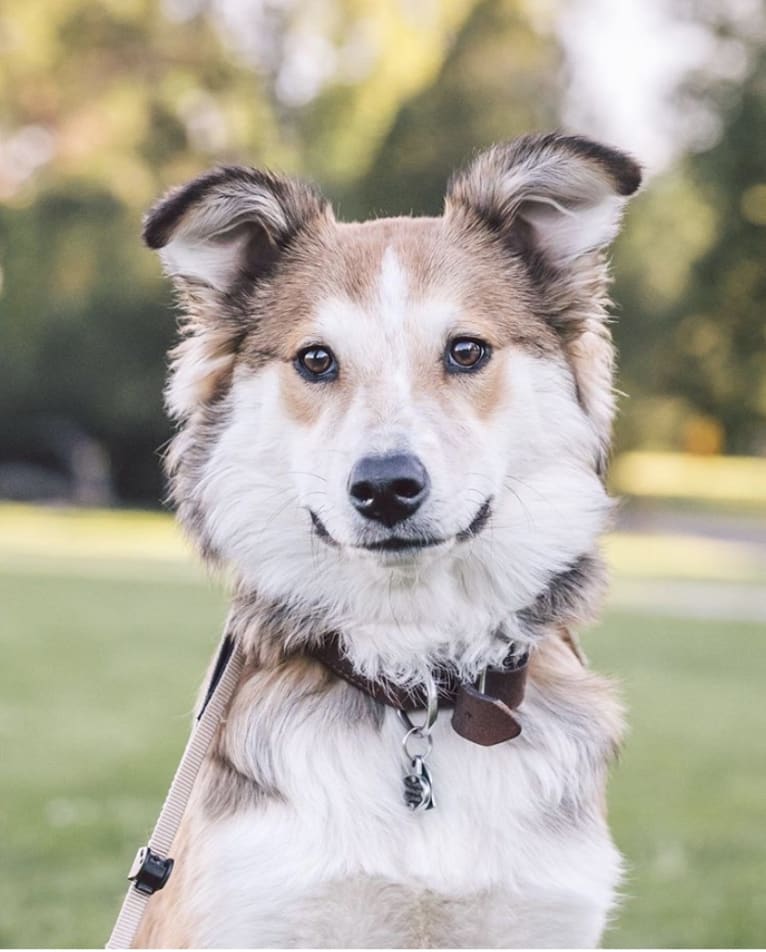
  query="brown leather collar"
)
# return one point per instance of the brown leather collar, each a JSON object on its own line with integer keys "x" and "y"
{"x": 483, "y": 717}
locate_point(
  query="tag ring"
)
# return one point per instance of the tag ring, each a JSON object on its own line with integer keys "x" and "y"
{"x": 417, "y": 733}
{"x": 432, "y": 709}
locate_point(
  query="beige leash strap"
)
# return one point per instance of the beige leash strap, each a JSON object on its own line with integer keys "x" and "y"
{"x": 152, "y": 865}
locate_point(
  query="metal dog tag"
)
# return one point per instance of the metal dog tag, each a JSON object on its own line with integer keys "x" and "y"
{"x": 417, "y": 744}
{"x": 418, "y": 790}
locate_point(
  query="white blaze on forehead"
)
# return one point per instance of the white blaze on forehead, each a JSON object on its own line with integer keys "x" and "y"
{"x": 425, "y": 318}
{"x": 393, "y": 401}
{"x": 393, "y": 289}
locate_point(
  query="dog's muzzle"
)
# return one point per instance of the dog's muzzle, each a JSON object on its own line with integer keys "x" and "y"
{"x": 403, "y": 543}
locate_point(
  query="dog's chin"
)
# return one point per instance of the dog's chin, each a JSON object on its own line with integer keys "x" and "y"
{"x": 402, "y": 546}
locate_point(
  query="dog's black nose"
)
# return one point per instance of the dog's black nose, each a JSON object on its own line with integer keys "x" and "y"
{"x": 388, "y": 488}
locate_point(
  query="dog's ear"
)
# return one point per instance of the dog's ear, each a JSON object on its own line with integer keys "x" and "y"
{"x": 229, "y": 225}
{"x": 549, "y": 197}
{"x": 218, "y": 237}
{"x": 555, "y": 202}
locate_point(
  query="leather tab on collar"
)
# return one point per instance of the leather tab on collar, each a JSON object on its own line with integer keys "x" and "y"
{"x": 484, "y": 718}
{"x": 508, "y": 683}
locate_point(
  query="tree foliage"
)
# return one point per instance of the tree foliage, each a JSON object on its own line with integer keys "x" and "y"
{"x": 104, "y": 103}
{"x": 693, "y": 285}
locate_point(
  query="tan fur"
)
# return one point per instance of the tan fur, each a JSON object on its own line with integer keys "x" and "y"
{"x": 300, "y": 401}
{"x": 493, "y": 296}
{"x": 303, "y": 762}
{"x": 560, "y": 675}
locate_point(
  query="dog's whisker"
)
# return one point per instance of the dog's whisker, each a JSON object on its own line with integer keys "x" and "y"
{"x": 299, "y": 472}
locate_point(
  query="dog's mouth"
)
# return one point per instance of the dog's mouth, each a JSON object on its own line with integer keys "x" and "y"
{"x": 397, "y": 543}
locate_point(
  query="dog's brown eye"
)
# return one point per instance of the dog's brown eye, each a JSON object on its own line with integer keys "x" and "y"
{"x": 317, "y": 363}
{"x": 466, "y": 353}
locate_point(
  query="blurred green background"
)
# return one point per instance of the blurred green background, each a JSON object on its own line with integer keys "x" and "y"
{"x": 105, "y": 620}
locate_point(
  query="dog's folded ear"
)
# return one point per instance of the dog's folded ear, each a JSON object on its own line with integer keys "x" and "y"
{"x": 551, "y": 198}
{"x": 554, "y": 202}
{"x": 229, "y": 226}
{"x": 218, "y": 237}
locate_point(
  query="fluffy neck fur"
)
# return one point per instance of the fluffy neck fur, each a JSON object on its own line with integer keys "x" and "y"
{"x": 271, "y": 631}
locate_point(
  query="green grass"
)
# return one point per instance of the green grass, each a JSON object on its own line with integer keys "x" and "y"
{"x": 688, "y": 798}
{"x": 98, "y": 677}
{"x": 101, "y": 658}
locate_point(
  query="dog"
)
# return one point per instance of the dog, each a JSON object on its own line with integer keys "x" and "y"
{"x": 394, "y": 434}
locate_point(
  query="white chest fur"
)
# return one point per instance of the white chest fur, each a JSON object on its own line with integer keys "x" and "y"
{"x": 516, "y": 853}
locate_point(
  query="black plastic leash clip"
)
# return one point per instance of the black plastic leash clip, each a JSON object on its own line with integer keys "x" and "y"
{"x": 149, "y": 872}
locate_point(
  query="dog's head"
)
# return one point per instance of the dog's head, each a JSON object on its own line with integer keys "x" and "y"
{"x": 377, "y": 416}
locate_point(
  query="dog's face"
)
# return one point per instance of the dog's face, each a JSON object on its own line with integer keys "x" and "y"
{"x": 377, "y": 415}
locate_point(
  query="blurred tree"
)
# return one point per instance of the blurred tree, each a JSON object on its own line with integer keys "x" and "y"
{"x": 692, "y": 278}
{"x": 719, "y": 327}
{"x": 105, "y": 102}
{"x": 501, "y": 78}
{"x": 102, "y": 102}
